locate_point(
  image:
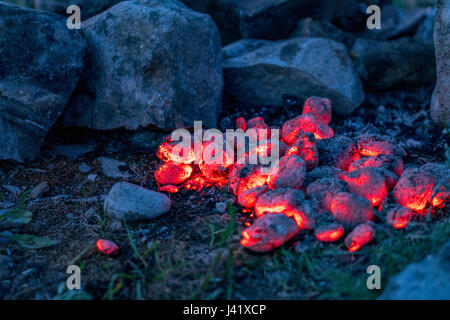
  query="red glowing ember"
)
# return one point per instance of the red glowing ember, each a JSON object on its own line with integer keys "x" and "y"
{"x": 292, "y": 129}
{"x": 372, "y": 145}
{"x": 389, "y": 162}
{"x": 107, "y": 247}
{"x": 351, "y": 209}
{"x": 269, "y": 232}
{"x": 305, "y": 147}
{"x": 241, "y": 124}
{"x": 323, "y": 132}
{"x": 288, "y": 172}
{"x": 169, "y": 188}
{"x": 342, "y": 188}
{"x": 414, "y": 189}
{"x": 329, "y": 233}
{"x": 168, "y": 151}
{"x": 368, "y": 183}
{"x": 321, "y": 192}
{"x": 247, "y": 176}
{"x": 398, "y": 216}
{"x": 319, "y": 108}
{"x": 171, "y": 173}
{"x": 249, "y": 197}
{"x": 361, "y": 235}
{"x": 290, "y": 202}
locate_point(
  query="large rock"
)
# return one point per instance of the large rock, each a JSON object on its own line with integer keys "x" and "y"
{"x": 440, "y": 102}
{"x": 134, "y": 203}
{"x": 89, "y": 8}
{"x": 301, "y": 67}
{"x": 269, "y": 19}
{"x": 425, "y": 280}
{"x": 396, "y": 22}
{"x": 389, "y": 64}
{"x": 40, "y": 63}
{"x": 149, "y": 63}
{"x": 313, "y": 28}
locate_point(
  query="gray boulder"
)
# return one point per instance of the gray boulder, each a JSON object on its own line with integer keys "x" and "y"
{"x": 313, "y": 28}
{"x": 40, "y": 63}
{"x": 270, "y": 19}
{"x": 89, "y": 8}
{"x": 425, "y": 280}
{"x": 301, "y": 67}
{"x": 385, "y": 65}
{"x": 396, "y": 22}
{"x": 134, "y": 203}
{"x": 440, "y": 101}
{"x": 149, "y": 63}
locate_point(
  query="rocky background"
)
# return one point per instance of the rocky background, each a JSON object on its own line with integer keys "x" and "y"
{"x": 83, "y": 110}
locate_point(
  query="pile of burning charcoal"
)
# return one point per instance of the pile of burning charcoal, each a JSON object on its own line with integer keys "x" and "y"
{"x": 321, "y": 182}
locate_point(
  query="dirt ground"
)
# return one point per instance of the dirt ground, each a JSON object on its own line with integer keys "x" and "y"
{"x": 193, "y": 252}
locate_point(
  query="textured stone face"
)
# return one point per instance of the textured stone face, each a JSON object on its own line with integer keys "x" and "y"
{"x": 149, "y": 63}
{"x": 40, "y": 63}
{"x": 301, "y": 67}
{"x": 394, "y": 63}
{"x": 440, "y": 102}
{"x": 135, "y": 203}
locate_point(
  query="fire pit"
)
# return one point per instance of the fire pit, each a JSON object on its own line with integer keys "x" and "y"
{"x": 363, "y": 182}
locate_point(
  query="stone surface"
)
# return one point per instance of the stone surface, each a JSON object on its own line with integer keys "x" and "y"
{"x": 389, "y": 64}
{"x": 312, "y": 28}
{"x": 74, "y": 151}
{"x": 269, "y": 232}
{"x": 39, "y": 190}
{"x": 266, "y": 19}
{"x": 41, "y": 61}
{"x": 157, "y": 76}
{"x": 135, "y": 203}
{"x": 396, "y": 22}
{"x": 440, "y": 102}
{"x": 428, "y": 279}
{"x": 338, "y": 152}
{"x": 89, "y": 8}
{"x": 113, "y": 168}
{"x": 301, "y": 67}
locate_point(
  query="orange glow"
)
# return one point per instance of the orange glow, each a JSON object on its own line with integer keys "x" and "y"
{"x": 361, "y": 235}
{"x": 329, "y": 233}
{"x": 399, "y": 217}
{"x": 372, "y": 145}
{"x": 107, "y": 247}
{"x": 288, "y": 202}
{"x": 414, "y": 190}
{"x": 351, "y": 209}
{"x": 441, "y": 196}
{"x": 323, "y": 132}
{"x": 367, "y": 183}
{"x": 305, "y": 147}
{"x": 388, "y": 162}
{"x": 249, "y": 197}
{"x": 173, "y": 174}
{"x": 169, "y": 188}
{"x": 297, "y": 126}
{"x": 167, "y": 151}
{"x": 269, "y": 232}
{"x": 246, "y": 176}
